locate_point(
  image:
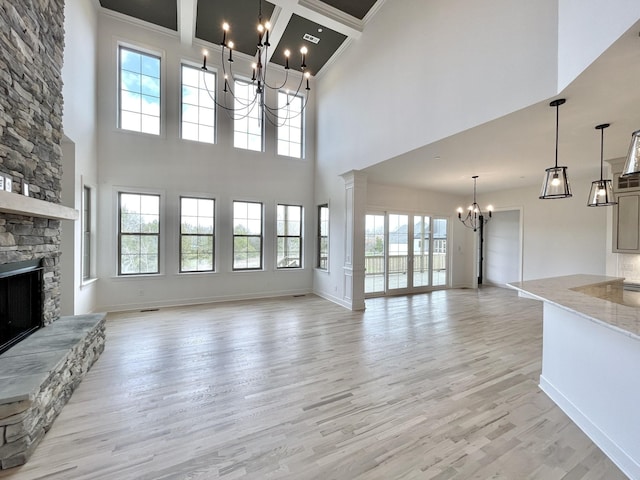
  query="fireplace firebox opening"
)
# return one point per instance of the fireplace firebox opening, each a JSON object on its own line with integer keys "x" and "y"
{"x": 20, "y": 301}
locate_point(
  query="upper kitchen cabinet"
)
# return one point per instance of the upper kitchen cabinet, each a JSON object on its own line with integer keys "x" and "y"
{"x": 626, "y": 214}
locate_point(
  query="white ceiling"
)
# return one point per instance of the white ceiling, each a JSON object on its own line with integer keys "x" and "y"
{"x": 513, "y": 151}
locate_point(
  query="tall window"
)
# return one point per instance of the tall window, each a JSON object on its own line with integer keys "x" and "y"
{"x": 139, "y": 91}
{"x": 397, "y": 249}
{"x": 138, "y": 233}
{"x": 247, "y": 235}
{"x": 289, "y": 231}
{"x": 374, "y": 258}
{"x": 440, "y": 251}
{"x": 247, "y": 125}
{"x": 290, "y": 125}
{"x": 421, "y": 246}
{"x": 197, "y": 234}
{"x": 86, "y": 233}
{"x": 322, "y": 261}
{"x": 198, "y": 104}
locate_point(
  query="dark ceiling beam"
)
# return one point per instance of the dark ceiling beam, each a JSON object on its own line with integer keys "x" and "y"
{"x": 279, "y": 21}
{"x": 187, "y": 10}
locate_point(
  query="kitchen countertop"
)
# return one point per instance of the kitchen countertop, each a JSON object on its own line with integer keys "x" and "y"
{"x": 597, "y": 298}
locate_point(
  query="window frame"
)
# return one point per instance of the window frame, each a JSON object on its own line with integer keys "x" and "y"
{"x": 260, "y": 237}
{"x": 149, "y": 53}
{"x": 120, "y": 233}
{"x": 212, "y": 235}
{"x": 286, "y": 124}
{"x": 238, "y": 117}
{"x": 214, "y": 84}
{"x": 87, "y": 228}
{"x": 286, "y": 237}
{"x": 320, "y": 237}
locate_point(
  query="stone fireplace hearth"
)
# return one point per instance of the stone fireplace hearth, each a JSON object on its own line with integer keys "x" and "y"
{"x": 37, "y": 377}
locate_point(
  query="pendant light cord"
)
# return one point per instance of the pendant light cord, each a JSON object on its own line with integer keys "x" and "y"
{"x": 601, "y": 153}
{"x": 557, "y": 121}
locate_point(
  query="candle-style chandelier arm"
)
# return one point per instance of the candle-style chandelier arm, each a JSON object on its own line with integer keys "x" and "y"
{"x": 240, "y": 107}
{"x": 474, "y": 217}
{"x": 271, "y": 114}
{"x": 230, "y": 111}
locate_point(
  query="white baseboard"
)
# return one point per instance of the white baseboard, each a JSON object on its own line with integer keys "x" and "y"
{"x": 617, "y": 455}
{"x": 183, "y": 302}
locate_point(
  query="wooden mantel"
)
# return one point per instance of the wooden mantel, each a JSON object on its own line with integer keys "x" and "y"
{"x": 33, "y": 207}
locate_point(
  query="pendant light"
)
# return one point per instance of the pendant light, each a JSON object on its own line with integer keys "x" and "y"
{"x": 556, "y": 182}
{"x": 632, "y": 165}
{"x": 601, "y": 194}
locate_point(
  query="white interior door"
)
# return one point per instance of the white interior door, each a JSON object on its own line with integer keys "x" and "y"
{"x": 502, "y": 248}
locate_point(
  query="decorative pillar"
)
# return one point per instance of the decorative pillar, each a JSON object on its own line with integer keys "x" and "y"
{"x": 355, "y": 186}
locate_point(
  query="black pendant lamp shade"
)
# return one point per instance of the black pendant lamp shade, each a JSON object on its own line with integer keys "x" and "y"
{"x": 601, "y": 194}
{"x": 556, "y": 182}
{"x": 632, "y": 165}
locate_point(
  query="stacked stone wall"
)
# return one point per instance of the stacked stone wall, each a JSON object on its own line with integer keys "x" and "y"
{"x": 31, "y": 57}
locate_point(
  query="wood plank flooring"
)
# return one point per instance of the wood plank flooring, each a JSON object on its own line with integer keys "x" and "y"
{"x": 435, "y": 386}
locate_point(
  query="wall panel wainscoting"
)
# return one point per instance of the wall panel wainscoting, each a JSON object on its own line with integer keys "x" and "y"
{"x": 442, "y": 385}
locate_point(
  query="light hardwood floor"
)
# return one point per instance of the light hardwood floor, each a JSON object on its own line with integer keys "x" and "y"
{"x": 434, "y": 386}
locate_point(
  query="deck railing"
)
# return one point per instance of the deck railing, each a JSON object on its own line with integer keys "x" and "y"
{"x": 374, "y": 264}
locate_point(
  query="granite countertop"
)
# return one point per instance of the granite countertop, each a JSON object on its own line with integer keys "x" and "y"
{"x": 595, "y": 297}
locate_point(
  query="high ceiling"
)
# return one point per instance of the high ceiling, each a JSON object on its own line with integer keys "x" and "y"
{"x": 513, "y": 151}
{"x": 508, "y": 152}
{"x": 331, "y": 22}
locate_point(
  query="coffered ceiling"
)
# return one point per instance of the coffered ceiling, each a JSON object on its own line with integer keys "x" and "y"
{"x": 320, "y": 26}
{"x": 508, "y": 152}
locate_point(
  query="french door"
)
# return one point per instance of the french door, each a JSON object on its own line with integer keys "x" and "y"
{"x": 405, "y": 253}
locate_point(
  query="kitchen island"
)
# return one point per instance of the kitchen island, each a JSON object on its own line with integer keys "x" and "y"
{"x": 591, "y": 359}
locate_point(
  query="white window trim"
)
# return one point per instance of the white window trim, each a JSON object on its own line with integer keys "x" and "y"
{"x": 263, "y": 132}
{"x": 150, "y": 50}
{"x": 316, "y": 253}
{"x": 93, "y": 244}
{"x": 303, "y": 130}
{"x": 264, "y": 235}
{"x": 116, "y": 228}
{"x": 210, "y": 69}
{"x": 302, "y": 237}
{"x": 216, "y": 239}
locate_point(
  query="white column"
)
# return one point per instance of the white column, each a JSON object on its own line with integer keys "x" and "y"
{"x": 355, "y": 185}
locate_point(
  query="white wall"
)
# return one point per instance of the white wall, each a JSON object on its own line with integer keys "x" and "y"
{"x": 586, "y": 28}
{"x": 173, "y": 167}
{"x": 422, "y": 71}
{"x": 562, "y": 236}
{"x": 80, "y": 126}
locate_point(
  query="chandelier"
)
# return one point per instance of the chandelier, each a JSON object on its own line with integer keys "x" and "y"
{"x": 242, "y": 106}
{"x": 474, "y": 218}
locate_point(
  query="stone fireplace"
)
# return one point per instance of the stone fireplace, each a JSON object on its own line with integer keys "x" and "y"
{"x": 39, "y": 373}
{"x": 31, "y": 58}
